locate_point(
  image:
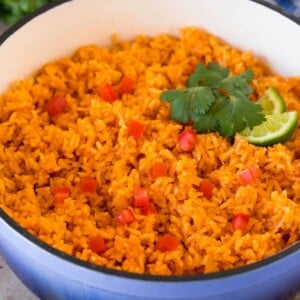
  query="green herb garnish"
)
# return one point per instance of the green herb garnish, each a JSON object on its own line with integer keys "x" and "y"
{"x": 12, "y": 11}
{"x": 215, "y": 101}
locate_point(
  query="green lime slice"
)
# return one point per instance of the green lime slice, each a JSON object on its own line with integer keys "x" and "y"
{"x": 278, "y": 128}
{"x": 272, "y": 102}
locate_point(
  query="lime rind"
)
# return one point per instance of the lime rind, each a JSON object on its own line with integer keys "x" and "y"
{"x": 278, "y": 128}
{"x": 272, "y": 102}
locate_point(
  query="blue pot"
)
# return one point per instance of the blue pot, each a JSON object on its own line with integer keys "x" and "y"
{"x": 51, "y": 274}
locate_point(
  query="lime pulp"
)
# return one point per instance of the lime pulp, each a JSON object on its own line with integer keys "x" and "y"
{"x": 272, "y": 102}
{"x": 278, "y": 128}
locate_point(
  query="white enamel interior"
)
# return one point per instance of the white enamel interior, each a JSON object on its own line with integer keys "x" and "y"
{"x": 58, "y": 32}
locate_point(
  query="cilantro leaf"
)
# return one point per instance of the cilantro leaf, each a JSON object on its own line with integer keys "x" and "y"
{"x": 238, "y": 85}
{"x": 210, "y": 76}
{"x": 208, "y": 122}
{"x": 201, "y": 99}
{"x": 240, "y": 111}
{"x": 12, "y": 11}
{"x": 186, "y": 103}
{"x": 238, "y": 114}
{"x": 215, "y": 101}
{"x": 180, "y": 107}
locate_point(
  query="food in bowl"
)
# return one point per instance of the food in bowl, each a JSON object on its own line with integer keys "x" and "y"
{"x": 93, "y": 164}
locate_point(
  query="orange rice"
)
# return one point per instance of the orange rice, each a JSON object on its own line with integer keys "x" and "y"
{"x": 90, "y": 138}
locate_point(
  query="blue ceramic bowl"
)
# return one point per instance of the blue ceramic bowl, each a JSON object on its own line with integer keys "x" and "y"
{"x": 59, "y": 29}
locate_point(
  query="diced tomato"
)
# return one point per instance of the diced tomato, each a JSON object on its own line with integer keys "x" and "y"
{"x": 255, "y": 173}
{"x": 206, "y": 188}
{"x": 148, "y": 210}
{"x": 245, "y": 177}
{"x": 240, "y": 221}
{"x": 141, "y": 197}
{"x": 97, "y": 244}
{"x": 248, "y": 176}
{"x": 159, "y": 169}
{"x": 125, "y": 216}
{"x": 126, "y": 85}
{"x": 88, "y": 185}
{"x": 60, "y": 194}
{"x": 136, "y": 129}
{"x": 55, "y": 106}
{"x": 167, "y": 242}
{"x": 187, "y": 140}
{"x": 107, "y": 93}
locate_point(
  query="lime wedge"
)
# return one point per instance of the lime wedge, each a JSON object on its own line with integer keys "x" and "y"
{"x": 272, "y": 102}
{"x": 278, "y": 128}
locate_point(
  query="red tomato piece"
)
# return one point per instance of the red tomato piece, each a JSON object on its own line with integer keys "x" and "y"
{"x": 125, "y": 216}
{"x": 240, "y": 221}
{"x": 136, "y": 129}
{"x": 167, "y": 242}
{"x": 107, "y": 93}
{"x": 245, "y": 177}
{"x": 60, "y": 194}
{"x": 97, "y": 244}
{"x": 187, "y": 140}
{"x": 141, "y": 197}
{"x": 206, "y": 188}
{"x": 56, "y": 105}
{"x": 126, "y": 85}
{"x": 159, "y": 169}
{"x": 255, "y": 173}
{"x": 248, "y": 176}
{"x": 88, "y": 185}
{"x": 148, "y": 210}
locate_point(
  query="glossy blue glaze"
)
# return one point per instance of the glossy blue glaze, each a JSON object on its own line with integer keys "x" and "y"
{"x": 51, "y": 274}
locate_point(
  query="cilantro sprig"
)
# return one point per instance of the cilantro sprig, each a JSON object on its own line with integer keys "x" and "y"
{"x": 12, "y": 11}
{"x": 214, "y": 101}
